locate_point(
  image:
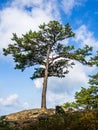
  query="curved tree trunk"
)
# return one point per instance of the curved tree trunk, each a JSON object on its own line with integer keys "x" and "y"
{"x": 43, "y": 103}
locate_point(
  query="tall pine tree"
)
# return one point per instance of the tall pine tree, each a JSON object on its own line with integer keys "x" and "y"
{"x": 44, "y": 48}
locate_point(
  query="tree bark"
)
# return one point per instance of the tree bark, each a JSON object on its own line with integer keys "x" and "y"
{"x": 43, "y": 103}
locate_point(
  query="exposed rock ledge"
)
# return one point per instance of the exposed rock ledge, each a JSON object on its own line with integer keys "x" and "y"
{"x": 29, "y": 114}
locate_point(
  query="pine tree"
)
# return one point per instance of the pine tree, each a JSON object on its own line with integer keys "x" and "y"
{"x": 45, "y": 51}
{"x": 87, "y": 98}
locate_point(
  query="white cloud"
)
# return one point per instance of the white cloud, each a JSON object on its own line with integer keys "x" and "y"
{"x": 52, "y": 7}
{"x": 68, "y": 5}
{"x": 75, "y": 79}
{"x": 13, "y": 21}
{"x": 13, "y": 102}
{"x": 28, "y": 3}
{"x": 84, "y": 36}
{"x": 19, "y": 20}
{"x": 8, "y": 101}
{"x": 38, "y": 83}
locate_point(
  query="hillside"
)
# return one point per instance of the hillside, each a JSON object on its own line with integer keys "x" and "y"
{"x": 39, "y": 119}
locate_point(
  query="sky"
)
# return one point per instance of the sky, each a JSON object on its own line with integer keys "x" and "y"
{"x": 17, "y": 91}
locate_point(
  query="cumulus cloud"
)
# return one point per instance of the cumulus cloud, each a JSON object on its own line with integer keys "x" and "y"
{"x": 15, "y": 19}
{"x": 84, "y": 36}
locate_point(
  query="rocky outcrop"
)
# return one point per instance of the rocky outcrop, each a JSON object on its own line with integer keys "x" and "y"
{"x": 29, "y": 114}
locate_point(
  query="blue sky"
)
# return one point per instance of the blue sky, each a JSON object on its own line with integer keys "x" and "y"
{"x": 17, "y": 91}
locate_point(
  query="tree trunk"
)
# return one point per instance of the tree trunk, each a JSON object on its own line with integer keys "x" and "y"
{"x": 43, "y": 103}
